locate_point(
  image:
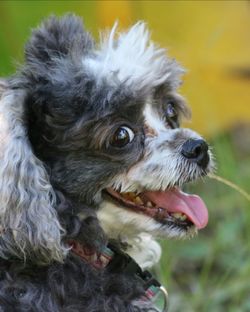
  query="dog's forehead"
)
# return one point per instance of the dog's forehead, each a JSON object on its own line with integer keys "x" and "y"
{"x": 119, "y": 101}
{"x": 132, "y": 59}
{"x": 154, "y": 124}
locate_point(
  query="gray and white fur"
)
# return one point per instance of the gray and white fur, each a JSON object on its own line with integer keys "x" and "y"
{"x": 59, "y": 115}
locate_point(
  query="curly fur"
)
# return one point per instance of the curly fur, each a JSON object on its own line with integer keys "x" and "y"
{"x": 57, "y": 117}
{"x": 27, "y": 216}
{"x": 71, "y": 287}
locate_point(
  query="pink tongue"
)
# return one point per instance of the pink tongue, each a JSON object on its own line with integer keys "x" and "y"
{"x": 174, "y": 200}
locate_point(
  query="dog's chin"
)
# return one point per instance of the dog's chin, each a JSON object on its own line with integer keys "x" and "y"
{"x": 167, "y": 214}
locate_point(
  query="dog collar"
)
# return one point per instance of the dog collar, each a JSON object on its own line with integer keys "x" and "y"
{"x": 115, "y": 260}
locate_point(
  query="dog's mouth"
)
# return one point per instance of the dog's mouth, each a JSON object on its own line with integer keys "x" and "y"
{"x": 172, "y": 205}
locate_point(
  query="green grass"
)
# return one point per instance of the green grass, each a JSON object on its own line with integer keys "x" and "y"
{"x": 212, "y": 271}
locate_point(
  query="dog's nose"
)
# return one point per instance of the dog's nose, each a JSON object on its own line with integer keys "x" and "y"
{"x": 196, "y": 151}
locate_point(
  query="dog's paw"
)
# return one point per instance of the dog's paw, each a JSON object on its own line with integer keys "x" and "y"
{"x": 91, "y": 233}
{"x": 80, "y": 223}
{"x": 85, "y": 230}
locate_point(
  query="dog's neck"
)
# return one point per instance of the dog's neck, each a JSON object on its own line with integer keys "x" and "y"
{"x": 114, "y": 260}
{"x": 145, "y": 250}
{"x": 139, "y": 245}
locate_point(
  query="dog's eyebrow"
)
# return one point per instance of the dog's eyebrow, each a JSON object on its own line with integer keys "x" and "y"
{"x": 181, "y": 104}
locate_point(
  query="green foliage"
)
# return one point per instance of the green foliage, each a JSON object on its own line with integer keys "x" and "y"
{"x": 18, "y": 17}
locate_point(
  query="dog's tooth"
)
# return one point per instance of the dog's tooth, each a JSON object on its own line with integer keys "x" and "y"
{"x": 131, "y": 195}
{"x": 179, "y": 216}
{"x": 149, "y": 204}
{"x": 138, "y": 200}
{"x": 176, "y": 214}
{"x": 183, "y": 217}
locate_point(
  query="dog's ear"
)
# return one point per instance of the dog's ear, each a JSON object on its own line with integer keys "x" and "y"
{"x": 56, "y": 39}
{"x": 28, "y": 221}
{"x": 53, "y": 60}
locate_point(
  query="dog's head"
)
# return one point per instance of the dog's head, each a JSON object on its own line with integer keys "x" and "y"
{"x": 104, "y": 124}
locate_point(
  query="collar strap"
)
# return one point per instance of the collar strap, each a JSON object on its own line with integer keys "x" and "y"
{"x": 115, "y": 260}
{"x": 97, "y": 260}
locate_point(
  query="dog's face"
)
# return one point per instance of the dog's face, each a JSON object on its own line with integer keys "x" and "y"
{"x": 147, "y": 197}
{"x": 106, "y": 121}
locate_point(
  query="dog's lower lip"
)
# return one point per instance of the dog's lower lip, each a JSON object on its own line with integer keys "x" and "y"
{"x": 159, "y": 214}
{"x": 139, "y": 208}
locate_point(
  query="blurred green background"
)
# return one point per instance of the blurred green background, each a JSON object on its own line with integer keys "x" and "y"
{"x": 212, "y": 40}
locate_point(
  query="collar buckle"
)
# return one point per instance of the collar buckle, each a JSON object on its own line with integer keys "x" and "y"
{"x": 166, "y": 299}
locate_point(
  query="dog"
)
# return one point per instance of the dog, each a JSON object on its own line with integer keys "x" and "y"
{"x": 92, "y": 162}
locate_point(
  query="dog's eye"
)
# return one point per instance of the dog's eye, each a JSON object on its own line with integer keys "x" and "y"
{"x": 171, "y": 115}
{"x": 122, "y": 137}
{"x": 170, "y": 111}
